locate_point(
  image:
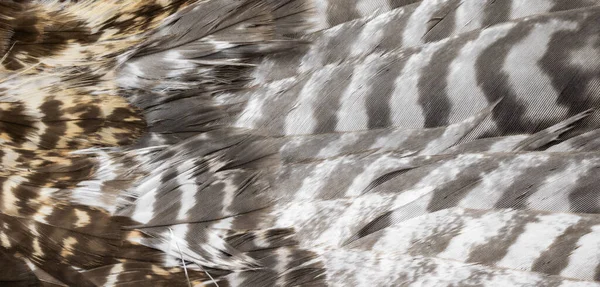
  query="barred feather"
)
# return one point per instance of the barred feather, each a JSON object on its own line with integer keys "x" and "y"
{"x": 299, "y": 143}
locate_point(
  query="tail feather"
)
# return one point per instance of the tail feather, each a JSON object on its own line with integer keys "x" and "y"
{"x": 350, "y": 96}
{"x": 547, "y": 139}
{"x": 557, "y": 244}
{"x": 304, "y": 148}
{"x": 409, "y": 271}
{"x": 403, "y": 28}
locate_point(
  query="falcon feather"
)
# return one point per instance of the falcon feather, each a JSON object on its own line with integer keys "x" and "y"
{"x": 299, "y": 143}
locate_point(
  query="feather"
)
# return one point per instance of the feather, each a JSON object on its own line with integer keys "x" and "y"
{"x": 299, "y": 143}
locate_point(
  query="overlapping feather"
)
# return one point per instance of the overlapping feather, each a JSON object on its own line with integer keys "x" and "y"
{"x": 287, "y": 143}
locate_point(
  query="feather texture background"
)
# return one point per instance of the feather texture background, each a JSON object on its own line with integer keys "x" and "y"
{"x": 299, "y": 143}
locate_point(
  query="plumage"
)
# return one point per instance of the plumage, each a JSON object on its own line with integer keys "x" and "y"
{"x": 299, "y": 143}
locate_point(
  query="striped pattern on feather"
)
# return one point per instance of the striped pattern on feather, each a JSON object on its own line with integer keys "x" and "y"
{"x": 299, "y": 143}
